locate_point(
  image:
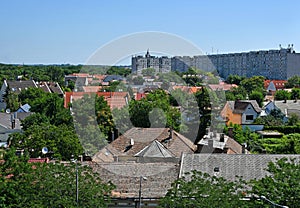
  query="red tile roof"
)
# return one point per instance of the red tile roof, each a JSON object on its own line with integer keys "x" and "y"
{"x": 114, "y": 99}
{"x": 187, "y": 89}
{"x": 279, "y": 84}
{"x": 38, "y": 160}
{"x": 222, "y": 86}
{"x": 139, "y": 96}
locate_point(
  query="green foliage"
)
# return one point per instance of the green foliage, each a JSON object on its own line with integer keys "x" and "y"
{"x": 295, "y": 94}
{"x": 49, "y": 105}
{"x": 93, "y": 122}
{"x": 282, "y": 185}
{"x": 284, "y": 129}
{"x": 236, "y": 93}
{"x": 204, "y": 102}
{"x": 60, "y": 140}
{"x": 288, "y": 144}
{"x": 148, "y": 72}
{"x": 234, "y": 79}
{"x": 170, "y": 77}
{"x": 37, "y": 72}
{"x": 293, "y": 82}
{"x": 255, "y": 83}
{"x": 293, "y": 119}
{"x": 115, "y": 70}
{"x": 201, "y": 190}
{"x": 145, "y": 113}
{"x": 12, "y": 101}
{"x": 25, "y": 184}
{"x": 258, "y": 96}
{"x": 275, "y": 118}
{"x": 138, "y": 80}
{"x": 282, "y": 95}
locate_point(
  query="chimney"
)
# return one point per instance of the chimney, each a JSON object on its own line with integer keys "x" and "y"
{"x": 230, "y": 132}
{"x": 171, "y": 133}
{"x": 210, "y": 143}
{"x": 222, "y": 137}
{"x": 13, "y": 121}
{"x": 244, "y": 145}
{"x": 207, "y": 130}
{"x": 112, "y": 135}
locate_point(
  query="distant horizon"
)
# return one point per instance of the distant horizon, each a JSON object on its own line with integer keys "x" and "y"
{"x": 124, "y": 64}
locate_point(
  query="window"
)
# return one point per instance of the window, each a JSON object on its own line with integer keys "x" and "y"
{"x": 249, "y": 117}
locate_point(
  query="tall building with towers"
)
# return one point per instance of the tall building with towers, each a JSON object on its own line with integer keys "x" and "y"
{"x": 160, "y": 64}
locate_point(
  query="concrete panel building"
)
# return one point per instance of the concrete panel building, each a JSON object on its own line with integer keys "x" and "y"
{"x": 278, "y": 64}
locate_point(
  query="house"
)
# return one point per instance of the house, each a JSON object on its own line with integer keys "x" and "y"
{"x": 114, "y": 99}
{"x": 144, "y": 143}
{"x": 222, "y": 86}
{"x": 112, "y": 78}
{"x": 50, "y": 87}
{"x": 187, "y": 89}
{"x": 240, "y": 111}
{"x": 288, "y": 107}
{"x": 24, "y": 108}
{"x": 152, "y": 179}
{"x": 213, "y": 142}
{"x": 91, "y": 88}
{"x": 10, "y": 123}
{"x": 228, "y": 166}
{"x": 18, "y": 86}
{"x": 273, "y": 85}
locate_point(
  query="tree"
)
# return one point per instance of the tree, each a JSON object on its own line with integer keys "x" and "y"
{"x": 93, "y": 122}
{"x": 253, "y": 83}
{"x": 148, "y": 72}
{"x": 201, "y": 190}
{"x": 293, "y": 82}
{"x": 25, "y": 184}
{"x": 282, "y": 95}
{"x": 282, "y": 185}
{"x": 62, "y": 141}
{"x": 138, "y": 80}
{"x": 234, "y": 79}
{"x": 258, "y": 96}
{"x": 295, "y": 94}
{"x": 154, "y": 110}
{"x": 293, "y": 119}
{"x": 236, "y": 93}
{"x": 12, "y": 101}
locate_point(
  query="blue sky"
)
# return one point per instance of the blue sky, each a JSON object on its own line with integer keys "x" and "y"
{"x": 69, "y": 31}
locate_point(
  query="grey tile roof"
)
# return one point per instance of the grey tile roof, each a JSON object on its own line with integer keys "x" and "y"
{"x": 288, "y": 107}
{"x": 5, "y": 119}
{"x": 155, "y": 149}
{"x": 126, "y": 177}
{"x": 249, "y": 166}
{"x": 18, "y": 86}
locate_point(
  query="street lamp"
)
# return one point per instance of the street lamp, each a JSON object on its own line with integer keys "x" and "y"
{"x": 140, "y": 190}
{"x": 76, "y": 172}
{"x": 273, "y": 203}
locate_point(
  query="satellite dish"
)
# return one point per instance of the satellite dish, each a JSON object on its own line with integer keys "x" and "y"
{"x": 44, "y": 150}
{"x": 7, "y": 110}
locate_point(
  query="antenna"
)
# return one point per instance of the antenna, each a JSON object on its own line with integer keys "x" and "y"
{"x": 44, "y": 150}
